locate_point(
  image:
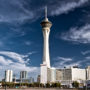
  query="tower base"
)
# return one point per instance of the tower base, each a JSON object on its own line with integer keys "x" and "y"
{"x": 47, "y": 74}
{"x": 43, "y": 73}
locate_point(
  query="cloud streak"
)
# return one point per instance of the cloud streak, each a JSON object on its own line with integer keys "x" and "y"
{"x": 21, "y": 11}
{"x": 85, "y": 52}
{"x": 78, "y": 35}
{"x": 61, "y": 62}
{"x": 64, "y": 59}
{"x": 12, "y": 11}
{"x": 65, "y": 7}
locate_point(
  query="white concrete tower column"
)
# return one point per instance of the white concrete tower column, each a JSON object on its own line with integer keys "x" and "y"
{"x": 46, "y": 25}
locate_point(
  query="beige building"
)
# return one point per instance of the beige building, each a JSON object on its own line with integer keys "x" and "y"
{"x": 70, "y": 74}
{"x": 59, "y": 74}
{"x": 67, "y": 74}
{"x": 51, "y": 75}
{"x": 48, "y": 75}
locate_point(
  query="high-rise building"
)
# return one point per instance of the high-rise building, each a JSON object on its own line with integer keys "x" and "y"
{"x": 38, "y": 78}
{"x": 88, "y": 73}
{"x": 31, "y": 80}
{"x": 14, "y": 78}
{"x": 23, "y": 75}
{"x": 46, "y": 25}
{"x": 8, "y": 75}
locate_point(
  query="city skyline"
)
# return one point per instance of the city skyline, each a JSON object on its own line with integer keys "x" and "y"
{"x": 21, "y": 44}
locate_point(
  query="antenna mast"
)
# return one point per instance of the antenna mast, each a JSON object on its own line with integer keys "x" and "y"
{"x": 46, "y": 12}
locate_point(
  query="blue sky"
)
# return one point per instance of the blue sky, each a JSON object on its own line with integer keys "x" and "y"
{"x": 21, "y": 38}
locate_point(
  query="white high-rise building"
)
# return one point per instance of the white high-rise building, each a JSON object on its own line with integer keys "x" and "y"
{"x": 8, "y": 75}
{"x": 46, "y": 25}
{"x": 23, "y": 75}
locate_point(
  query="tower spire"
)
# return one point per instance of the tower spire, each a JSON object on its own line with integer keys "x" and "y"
{"x": 46, "y": 12}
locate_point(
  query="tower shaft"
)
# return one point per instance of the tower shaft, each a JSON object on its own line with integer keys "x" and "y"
{"x": 46, "y": 57}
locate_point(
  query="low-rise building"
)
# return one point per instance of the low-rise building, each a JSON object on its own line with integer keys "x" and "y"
{"x": 59, "y": 74}
{"x": 68, "y": 75}
{"x": 78, "y": 74}
{"x": 51, "y": 74}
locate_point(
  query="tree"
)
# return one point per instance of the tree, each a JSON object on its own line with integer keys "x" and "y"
{"x": 48, "y": 85}
{"x": 56, "y": 84}
{"x": 41, "y": 85}
{"x": 75, "y": 84}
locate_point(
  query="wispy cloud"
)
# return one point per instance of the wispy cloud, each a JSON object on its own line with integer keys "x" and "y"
{"x": 13, "y": 55}
{"x": 85, "y": 52}
{"x": 64, "y": 59}
{"x": 21, "y": 11}
{"x": 65, "y": 7}
{"x": 28, "y": 43}
{"x": 88, "y": 57}
{"x": 78, "y": 35}
{"x": 1, "y": 43}
{"x": 12, "y": 11}
{"x": 61, "y": 62}
{"x": 5, "y": 62}
{"x": 16, "y": 62}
